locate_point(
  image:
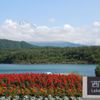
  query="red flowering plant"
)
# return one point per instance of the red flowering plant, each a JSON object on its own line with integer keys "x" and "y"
{"x": 40, "y": 84}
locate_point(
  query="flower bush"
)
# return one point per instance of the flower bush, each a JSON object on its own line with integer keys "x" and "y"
{"x": 40, "y": 84}
{"x": 97, "y": 71}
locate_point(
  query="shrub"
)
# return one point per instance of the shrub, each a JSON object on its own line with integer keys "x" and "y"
{"x": 97, "y": 71}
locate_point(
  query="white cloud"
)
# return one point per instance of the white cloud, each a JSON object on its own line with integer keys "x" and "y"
{"x": 67, "y": 26}
{"x": 30, "y": 32}
{"x": 52, "y": 20}
{"x": 96, "y": 24}
{"x": 9, "y": 23}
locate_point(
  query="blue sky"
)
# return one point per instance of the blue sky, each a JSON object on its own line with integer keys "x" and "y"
{"x": 74, "y": 12}
{"x": 60, "y": 20}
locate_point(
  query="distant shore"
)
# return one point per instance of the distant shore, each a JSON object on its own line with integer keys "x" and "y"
{"x": 51, "y": 55}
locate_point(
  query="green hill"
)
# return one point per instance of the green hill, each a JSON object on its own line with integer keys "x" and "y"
{"x": 7, "y": 44}
{"x": 51, "y": 55}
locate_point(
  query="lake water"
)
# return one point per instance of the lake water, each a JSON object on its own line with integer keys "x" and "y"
{"x": 83, "y": 69}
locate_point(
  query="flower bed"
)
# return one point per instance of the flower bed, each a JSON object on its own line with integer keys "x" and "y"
{"x": 40, "y": 84}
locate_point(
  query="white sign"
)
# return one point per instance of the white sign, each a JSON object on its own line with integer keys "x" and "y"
{"x": 91, "y": 87}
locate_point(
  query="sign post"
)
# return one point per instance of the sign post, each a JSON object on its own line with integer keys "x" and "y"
{"x": 91, "y": 87}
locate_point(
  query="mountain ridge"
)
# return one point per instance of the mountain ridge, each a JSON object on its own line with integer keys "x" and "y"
{"x": 56, "y": 44}
{"x": 7, "y": 44}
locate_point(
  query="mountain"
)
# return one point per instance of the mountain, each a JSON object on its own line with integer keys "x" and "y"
{"x": 4, "y": 44}
{"x": 56, "y": 44}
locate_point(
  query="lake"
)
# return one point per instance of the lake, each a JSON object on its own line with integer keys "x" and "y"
{"x": 83, "y": 69}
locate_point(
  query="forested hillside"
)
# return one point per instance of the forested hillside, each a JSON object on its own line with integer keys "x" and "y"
{"x": 47, "y": 55}
{"x": 4, "y": 44}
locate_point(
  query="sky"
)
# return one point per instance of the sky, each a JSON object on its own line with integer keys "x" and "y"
{"x": 75, "y": 21}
